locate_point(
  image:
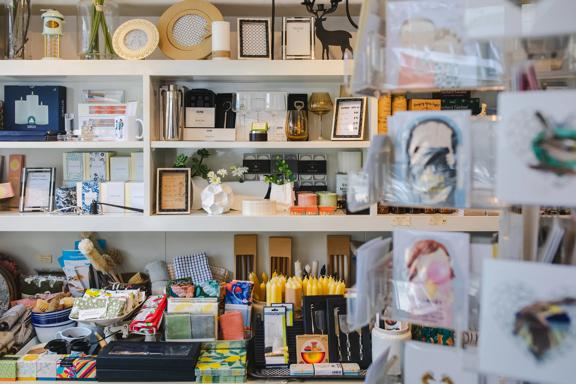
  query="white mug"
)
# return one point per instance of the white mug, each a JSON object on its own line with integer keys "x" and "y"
{"x": 128, "y": 128}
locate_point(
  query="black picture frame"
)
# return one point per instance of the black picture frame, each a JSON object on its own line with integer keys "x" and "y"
{"x": 185, "y": 173}
{"x": 29, "y": 176}
{"x": 241, "y": 24}
{"x": 361, "y": 123}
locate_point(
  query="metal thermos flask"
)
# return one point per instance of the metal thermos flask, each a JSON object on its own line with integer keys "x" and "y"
{"x": 171, "y": 112}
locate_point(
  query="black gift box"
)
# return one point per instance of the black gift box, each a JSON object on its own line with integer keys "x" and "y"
{"x": 148, "y": 361}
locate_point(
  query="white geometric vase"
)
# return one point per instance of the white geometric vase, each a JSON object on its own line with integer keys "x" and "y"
{"x": 283, "y": 195}
{"x": 217, "y": 199}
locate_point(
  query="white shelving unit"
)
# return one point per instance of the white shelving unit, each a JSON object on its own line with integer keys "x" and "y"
{"x": 145, "y": 77}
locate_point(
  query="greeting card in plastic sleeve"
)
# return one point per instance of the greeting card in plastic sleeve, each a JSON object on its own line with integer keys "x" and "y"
{"x": 431, "y": 278}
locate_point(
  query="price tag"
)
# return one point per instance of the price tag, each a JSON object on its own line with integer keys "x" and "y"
{"x": 401, "y": 221}
{"x": 438, "y": 220}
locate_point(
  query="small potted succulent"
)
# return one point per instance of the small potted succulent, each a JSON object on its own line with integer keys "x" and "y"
{"x": 281, "y": 185}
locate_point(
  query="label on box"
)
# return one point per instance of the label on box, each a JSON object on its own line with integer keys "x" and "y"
{"x": 200, "y": 117}
{"x": 210, "y": 134}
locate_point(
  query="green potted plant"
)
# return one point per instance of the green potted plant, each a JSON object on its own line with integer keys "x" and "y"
{"x": 281, "y": 185}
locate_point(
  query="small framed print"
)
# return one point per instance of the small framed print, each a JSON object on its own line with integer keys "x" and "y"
{"x": 254, "y": 38}
{"x": 298, "y": 38}
{"x": 37, "y": 190}
{"x": 173, "y": 191}
{"x": 349, "y": 118}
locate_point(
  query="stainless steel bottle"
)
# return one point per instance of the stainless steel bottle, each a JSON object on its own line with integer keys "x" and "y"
{"x": 171, "y": 112}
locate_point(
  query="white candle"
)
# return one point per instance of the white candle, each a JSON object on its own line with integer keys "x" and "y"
{"x": 298, "y": 269}
{"x": 315, "y": 268}
{"x": 220, "y": 40}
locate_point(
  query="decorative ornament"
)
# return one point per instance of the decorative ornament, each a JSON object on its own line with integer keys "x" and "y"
{"x": 51, "y": 33}
{"x": 217, "y": 199}
{"x": 328, "y": 38}
{"x": 135, "y": 39}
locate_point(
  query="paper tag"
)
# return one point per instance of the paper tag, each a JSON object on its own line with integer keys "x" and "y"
{"x": 401, "y": 221}
{"x": 438, "y": 220}
{"x": 93, "y": 313}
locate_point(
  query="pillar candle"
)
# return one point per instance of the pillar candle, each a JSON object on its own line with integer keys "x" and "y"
{"x": 307, "y": 199}
{"x": 314, "y": 271}
{"x": 220, "y": 40}
{"x": 294, "y": 295}
{"x": 327, "y": 199}
{"x": 298, "y": 269}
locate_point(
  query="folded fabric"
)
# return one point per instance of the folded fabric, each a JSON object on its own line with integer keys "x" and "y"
{"x": 149, "y": 318}
{"x": 221, "y": 362}
{"x": 209, "y": 288}
{"x": 194, "y": 266}
{"x": 181, "y": 288}
{"x": 239, "y": 292}
{"x": 11, "y": 317}
{"x": 232, "y": 326}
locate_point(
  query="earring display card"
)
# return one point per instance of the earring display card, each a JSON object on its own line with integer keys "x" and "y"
{"x": 527, "y": 322}
{"x": 346, "y": 345}
{"x": 430, "y": 278}
{"x": 275, "y": 343}
{"x": 432, "y": 158}
{"x": 254, "y": 38}
{"x": 536, "y": 162}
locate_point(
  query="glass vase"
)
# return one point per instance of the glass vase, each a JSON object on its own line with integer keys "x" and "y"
{"x": 15, "y": 22}
{"x": 96, "y": 22}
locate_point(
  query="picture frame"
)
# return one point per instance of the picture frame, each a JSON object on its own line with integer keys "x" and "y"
{"x": 349, "y": 119}
{"x": 173, "y": 191}
{"x": 298, "y": 38}
{"x": 37, "y": 189}
{"x": 254, "y": 38}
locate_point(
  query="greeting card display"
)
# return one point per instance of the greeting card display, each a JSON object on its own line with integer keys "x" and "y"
{"x": 489, "y": 19}
{"x": 536, "y": 161}
{"x": 425, "y": 47}
{"x": 528, "y": 321}
{"x": 431, "y": 277}
{"x": 428, "y": 363}
{"x": 431, "y": 161}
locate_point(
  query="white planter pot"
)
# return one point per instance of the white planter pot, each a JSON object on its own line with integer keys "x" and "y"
{"x": 198, "y": 185}
{"x": 217, "y": 199}
{"x": 283, "y": 195}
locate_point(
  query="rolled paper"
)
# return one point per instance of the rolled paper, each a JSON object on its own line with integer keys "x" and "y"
{"x": 220, "y": 40}
{"x": 307, "y": 199}
{"x": 327, "y": 199}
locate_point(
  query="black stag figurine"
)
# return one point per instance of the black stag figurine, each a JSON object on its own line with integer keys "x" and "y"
{"x": 328, "y": 38}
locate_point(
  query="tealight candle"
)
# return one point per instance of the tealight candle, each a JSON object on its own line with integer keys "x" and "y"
{"x": 307, "y": 199}
{"x": 327, "y": 199}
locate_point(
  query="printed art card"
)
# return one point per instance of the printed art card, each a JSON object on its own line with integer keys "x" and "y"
{"x": 431, "y": 271}
{"x": 536, "y": 162}
{"x": 435, "y": 364}
{"x": 432, "y": 152}
{"x": 528, "y": 321}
